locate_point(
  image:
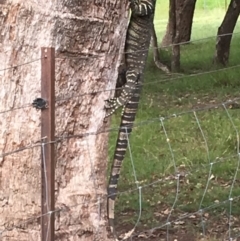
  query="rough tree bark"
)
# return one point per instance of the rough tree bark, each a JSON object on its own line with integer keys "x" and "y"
{"x": 156, "y": 52}
{"x": 175, "y": 58}
{"x": 88, "y": 36}
{"x": 224, "y": 34}
{"x": 184, "y": 16}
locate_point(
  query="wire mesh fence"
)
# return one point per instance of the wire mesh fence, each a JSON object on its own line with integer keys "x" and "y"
{"x": 172, "y": 211}
{"x": 182, "y": 169}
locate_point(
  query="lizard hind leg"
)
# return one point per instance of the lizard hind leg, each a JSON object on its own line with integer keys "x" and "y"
{"x": 111, "y": 105}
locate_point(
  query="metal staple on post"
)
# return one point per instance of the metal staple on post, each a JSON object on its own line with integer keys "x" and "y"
{"x": 48, "y": 137}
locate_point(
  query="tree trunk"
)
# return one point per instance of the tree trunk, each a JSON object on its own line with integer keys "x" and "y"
{"x": 88, "y": 36}
{"x": 184, "y": 16}
{"x": 225, "y": 31}
{"x": 156, "y": 52}
{"x": 175, "y": 58}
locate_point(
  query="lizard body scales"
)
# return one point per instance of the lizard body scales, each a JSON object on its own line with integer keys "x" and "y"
{"x": 136, "y": 50}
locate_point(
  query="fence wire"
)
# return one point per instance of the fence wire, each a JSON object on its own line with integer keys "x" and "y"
{"x": 37, "y": 143}
{"x": 170, "y": 220}
{"x": 170, "y": 77}
{"x": 140, "y": 187}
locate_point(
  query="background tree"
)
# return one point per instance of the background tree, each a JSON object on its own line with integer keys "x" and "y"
{"x": 175, "y": 59}
{"x": 156, "y": 52}
{"x": 88, "y": 36}
{"x": 225, "y": 31}
{"x": 184, "y": 18}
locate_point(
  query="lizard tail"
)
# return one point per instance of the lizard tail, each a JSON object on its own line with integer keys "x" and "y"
{"x": 126, "y": 125}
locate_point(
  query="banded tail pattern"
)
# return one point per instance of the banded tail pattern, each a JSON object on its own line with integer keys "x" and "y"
{"x": 127, "y": 121}
{"x": 136, "y": 50}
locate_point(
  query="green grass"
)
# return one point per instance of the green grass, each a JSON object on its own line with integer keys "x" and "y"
{"x": 195, "y": 141}
{"x": 210, "y": 16}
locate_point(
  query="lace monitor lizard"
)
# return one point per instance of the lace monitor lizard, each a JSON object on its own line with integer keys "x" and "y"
{"x": 136, "y": 50}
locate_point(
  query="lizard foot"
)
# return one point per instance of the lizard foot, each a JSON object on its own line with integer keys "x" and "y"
{"x": 111, "y": 105}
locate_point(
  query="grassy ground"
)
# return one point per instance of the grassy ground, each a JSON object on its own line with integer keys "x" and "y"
{"x": 202, "y": 148}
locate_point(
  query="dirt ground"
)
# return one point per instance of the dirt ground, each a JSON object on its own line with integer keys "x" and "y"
{"x": 215, "y": 228}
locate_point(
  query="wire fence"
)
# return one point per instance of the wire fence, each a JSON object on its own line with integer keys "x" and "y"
{"x": 172, "y": 216}
{"x": 175, "y": 177}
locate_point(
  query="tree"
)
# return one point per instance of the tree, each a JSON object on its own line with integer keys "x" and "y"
{"x": 184, "y": 18}
{"x": 225, "y": 31}
{"x": 88, "y": 36}
{"x": 175, "y": 59}
{"x": 156, "y": 52}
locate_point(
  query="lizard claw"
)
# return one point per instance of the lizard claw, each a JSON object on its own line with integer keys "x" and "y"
{"x": 111, "y": 105}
